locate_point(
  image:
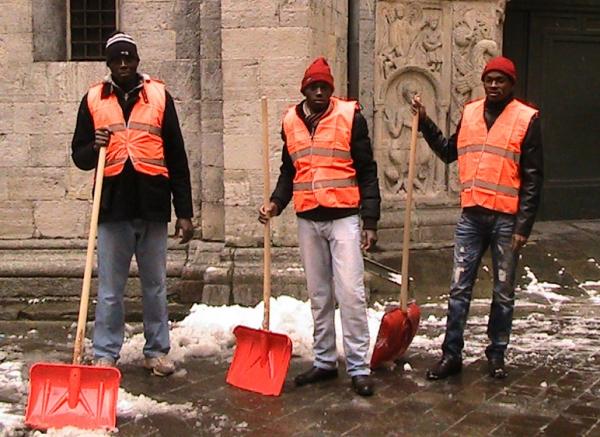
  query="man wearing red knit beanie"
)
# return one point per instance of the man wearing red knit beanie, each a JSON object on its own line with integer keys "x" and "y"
{"x": 498, "y": 146}
{"x": 329, "y": 171}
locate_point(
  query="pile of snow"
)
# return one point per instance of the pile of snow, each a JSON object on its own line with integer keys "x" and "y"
{"x": 207, "y": 330}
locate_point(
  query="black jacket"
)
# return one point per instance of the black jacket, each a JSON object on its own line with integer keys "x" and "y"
{"x": 531, "y": 164}
{"x": 132, "y": 195}
{"x": 366, "y": 175}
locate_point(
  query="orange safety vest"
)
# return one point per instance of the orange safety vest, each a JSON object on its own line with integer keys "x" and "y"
{"x": 488, "y": 161}
{"x": 140, "y": 138}
{"x": 324, "y": 172}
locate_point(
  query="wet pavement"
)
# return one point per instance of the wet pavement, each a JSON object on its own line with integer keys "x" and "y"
{"x": 553, "y": 387}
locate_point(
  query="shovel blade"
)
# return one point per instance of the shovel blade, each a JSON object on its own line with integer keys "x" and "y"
{"x": 72, "y": 395}
{"x": 261, "y": 360}
{"x": 396, "y": 332}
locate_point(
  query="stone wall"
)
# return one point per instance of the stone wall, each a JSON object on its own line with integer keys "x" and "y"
{"x": 42, "y": 194}
{"x": 266, "y": 46}
{"x": 45, "y": 201}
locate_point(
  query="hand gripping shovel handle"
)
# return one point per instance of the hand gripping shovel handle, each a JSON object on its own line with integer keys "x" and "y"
{"x": 267, "y": 230}
{"x": 89, "y": 260}
{"x": 407, "y": 213}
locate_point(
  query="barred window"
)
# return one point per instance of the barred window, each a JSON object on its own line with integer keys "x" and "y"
{"x": 90, "y": 24}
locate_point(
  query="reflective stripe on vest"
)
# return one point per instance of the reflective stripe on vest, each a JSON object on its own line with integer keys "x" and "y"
{"x": 489, "y": 161}
{"x": 140, "y": 138}
{"x": 325, "y": 175}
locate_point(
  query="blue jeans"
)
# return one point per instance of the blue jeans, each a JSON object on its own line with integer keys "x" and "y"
{"x": 475, "y": 232}
{"x": 117, "y": 242}
{"x": 334, "y": 270}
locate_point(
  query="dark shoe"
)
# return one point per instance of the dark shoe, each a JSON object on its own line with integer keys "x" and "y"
{"x": 363, "y": 385}
{"x": 447, "y": 366}
{"x": 496, "y": 367}
{"x": 315, "y": 374}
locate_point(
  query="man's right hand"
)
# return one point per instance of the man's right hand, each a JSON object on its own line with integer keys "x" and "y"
{"x": 417, "y": 106}
{"x": 266, "y": 212}
{"x": 102, "y": 138}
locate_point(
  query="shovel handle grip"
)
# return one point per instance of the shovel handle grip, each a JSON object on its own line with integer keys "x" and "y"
{"x": 407, "y": 213}
{"x": 267, "y": 230}
{"x": 89, "y": 259}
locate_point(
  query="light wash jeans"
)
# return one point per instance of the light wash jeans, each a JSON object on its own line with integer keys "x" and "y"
{"x": 117, "y": 242}
{"x": 334, "y": 269}
{"x": 475, "y": 232}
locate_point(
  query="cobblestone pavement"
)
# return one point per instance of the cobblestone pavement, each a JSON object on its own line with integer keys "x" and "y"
{"x": 553, "y": 387}
{"x": 553, "y": 393}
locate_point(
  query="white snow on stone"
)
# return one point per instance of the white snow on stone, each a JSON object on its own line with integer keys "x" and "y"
{"x": 71, "y": 431}
{"x": 542, "y": 289}
{"x": 592, "y": 288}
{"x": 10, "y": 421}
{"x": 10, "y": 377}
{"x": 137, "y": 407}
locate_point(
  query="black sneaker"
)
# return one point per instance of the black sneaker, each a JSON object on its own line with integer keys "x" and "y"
{"x": 497, "y": 368}
{"x": 447, "y": 366}
{"x": 315, "y": 374}
{"x": 363, "y": 385}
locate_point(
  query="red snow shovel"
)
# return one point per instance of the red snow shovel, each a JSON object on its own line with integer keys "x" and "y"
{"x": 399, "y": 325}
{"x": 262, "y": 358}
{"x": 71, "y": 394}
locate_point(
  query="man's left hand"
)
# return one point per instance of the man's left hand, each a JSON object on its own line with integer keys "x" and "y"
{"x": 518, "y": 241}
{"x": 185, "y": 228}
{"x": 369, "y": 239}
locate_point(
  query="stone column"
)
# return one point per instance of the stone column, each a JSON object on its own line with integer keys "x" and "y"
{"x": 266, "y": 46}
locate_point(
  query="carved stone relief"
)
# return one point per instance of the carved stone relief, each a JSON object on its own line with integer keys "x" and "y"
{"x": 476, "y": 36}
{"x": 410, "y": 60}
{"x": 436, "y": 48}
{"x": 474, "y": 45}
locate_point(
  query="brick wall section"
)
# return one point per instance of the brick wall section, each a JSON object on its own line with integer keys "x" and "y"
{"x": 42, "y": 194}
{"x": 266, "y": 46}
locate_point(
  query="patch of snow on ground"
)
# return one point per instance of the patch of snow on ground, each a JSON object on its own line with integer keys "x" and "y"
{"x": 140, "y": 406}
{"x": 544, "y": 290}
{"x": 10, "y": 421}
{"x": 71, "y": 431}
{"x": 10, "y": 377}
{"x": 590, "y": 287}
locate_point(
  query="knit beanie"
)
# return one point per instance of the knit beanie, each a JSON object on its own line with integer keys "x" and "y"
{"x": 120, "y": 44}
{"x": 503, "y": 65}
{"x": 318, "y": 71}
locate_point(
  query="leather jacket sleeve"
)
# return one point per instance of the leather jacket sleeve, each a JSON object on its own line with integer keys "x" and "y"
{"x": 444, "y": 148}
{"x": 532, "y": 174}
{"x": 366, "y": 172}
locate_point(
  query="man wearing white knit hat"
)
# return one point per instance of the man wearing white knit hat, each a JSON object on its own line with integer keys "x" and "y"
{"x": 134, "y": 117}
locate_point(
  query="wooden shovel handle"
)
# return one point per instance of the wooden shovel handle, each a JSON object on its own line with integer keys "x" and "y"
{"x": 267, "y": 230}
{"x": 407, "y": 212}
{"x": 89, "y": 259}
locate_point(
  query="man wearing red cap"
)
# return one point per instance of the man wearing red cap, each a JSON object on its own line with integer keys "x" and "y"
{"x": 499, "y": 151}
{"x": 328, "y": 169}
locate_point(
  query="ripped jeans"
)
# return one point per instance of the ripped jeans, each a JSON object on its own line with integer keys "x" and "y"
{"x": 476, "y": 231}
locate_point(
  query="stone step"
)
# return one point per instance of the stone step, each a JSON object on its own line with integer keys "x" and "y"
{"x": 66, "y": 310}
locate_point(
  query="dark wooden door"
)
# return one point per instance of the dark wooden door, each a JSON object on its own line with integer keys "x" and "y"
{"x": 556, "y": 45}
